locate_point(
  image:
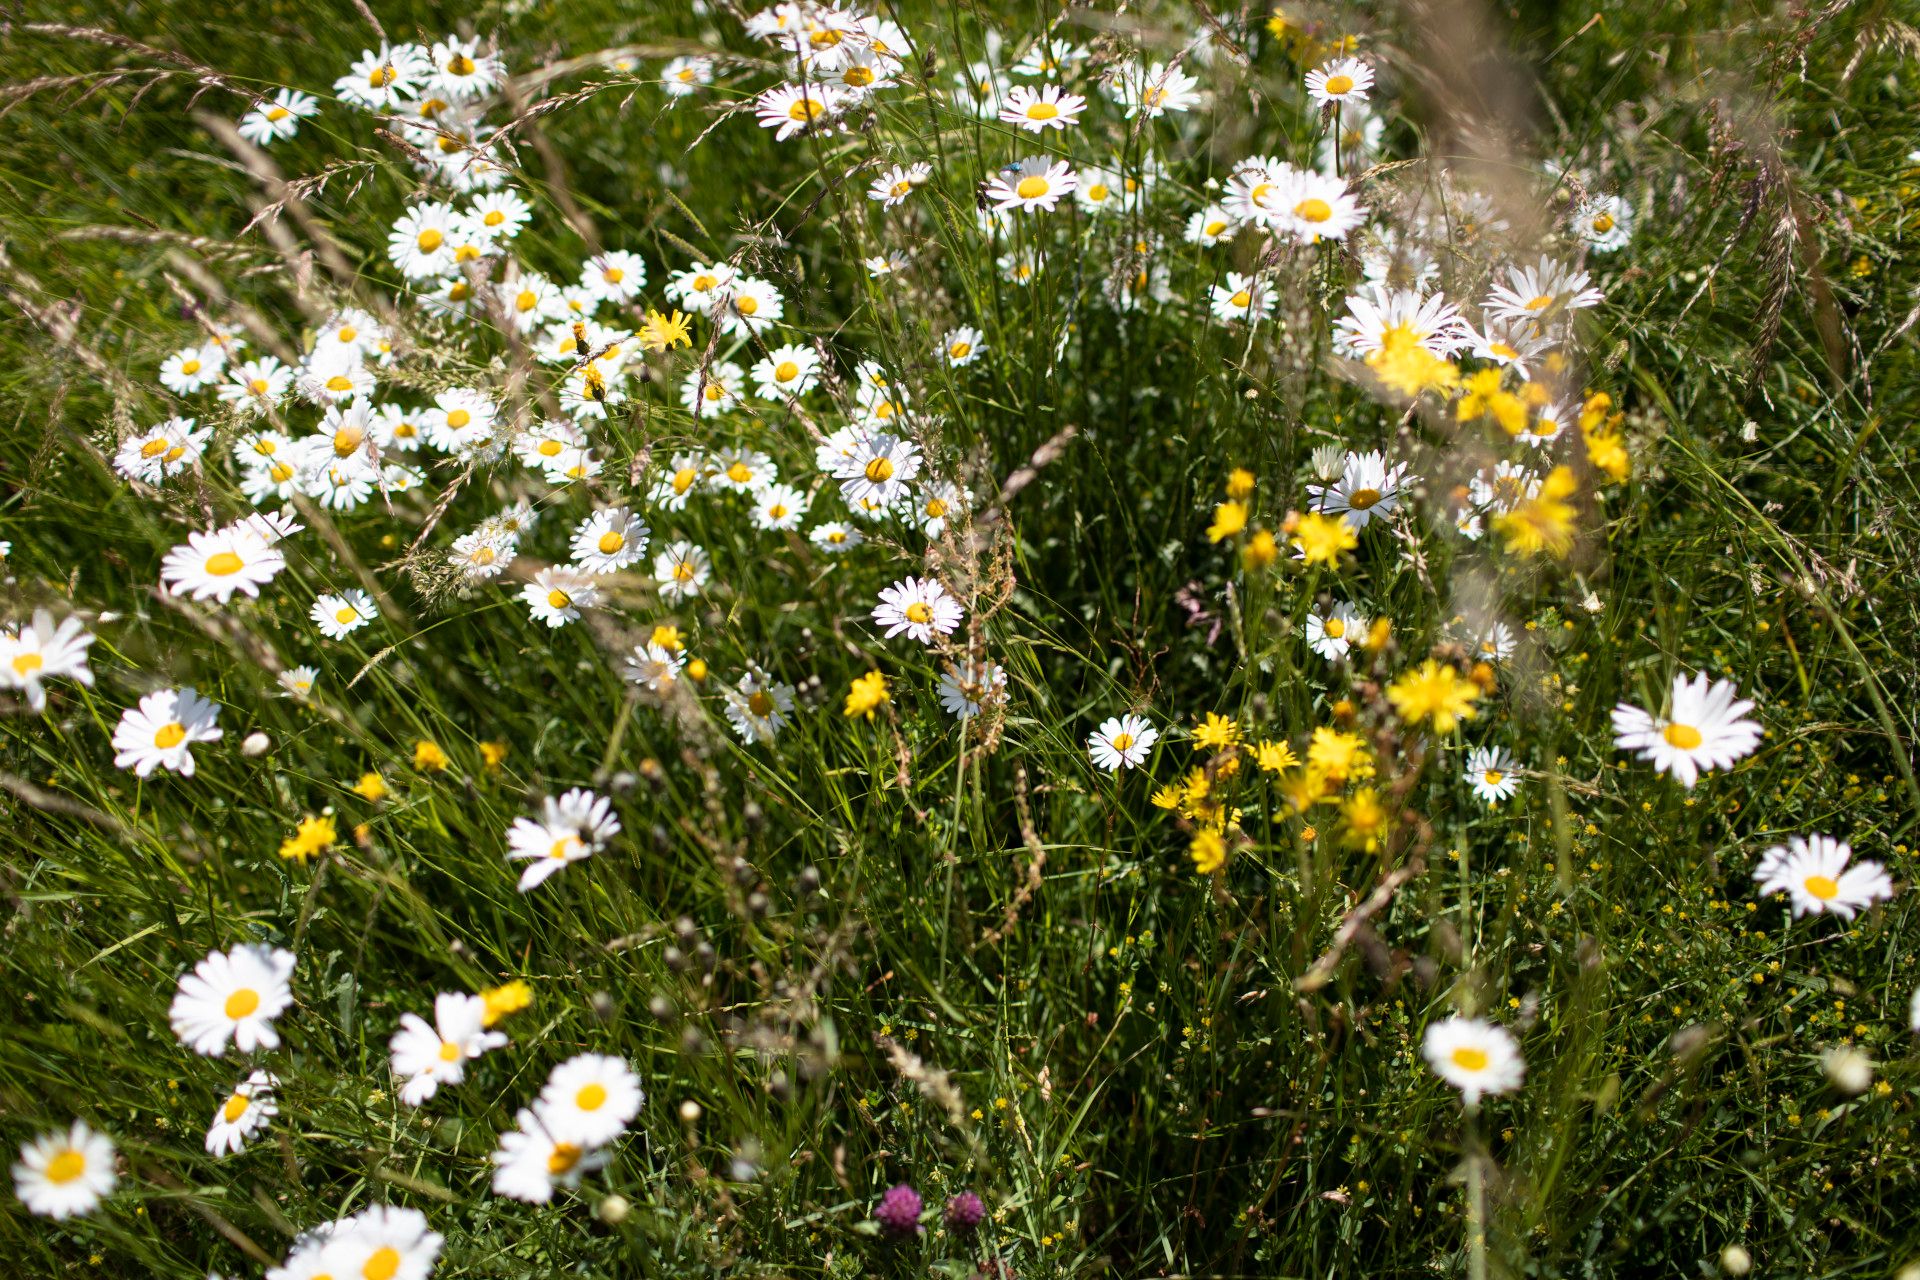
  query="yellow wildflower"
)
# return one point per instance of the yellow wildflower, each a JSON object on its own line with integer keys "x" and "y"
{"x": 1229, "y": 518}
{"x": 867, "y": 694}
{"x": 1435, "y": 693}
{"x": 1543, "y": 522}
{"x": 1240, "y": 484}
{"x": 1216, "y": 731}
{"x": 1338, "y": 756}
{"x": 1321, "y": 538}
{"x": 315, "y": 835}
{"x": 660, "y": 333}
{"x": 1261, "y": 550}
{"x": 371, "y": 787}
{"x": 1366, "y": 819}
{"x": 428, "y": 757}
{"x": 492, "y": 754}
{"x": 1272, "y": 757}
{"x": 507, "y": 999}
{"x": 1208, "y": 850}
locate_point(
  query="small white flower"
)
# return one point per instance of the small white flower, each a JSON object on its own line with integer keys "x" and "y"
{"x": 1122, "y": 742}
{"x": 1474, "y": 1056}
{"x": 920, "y": 607}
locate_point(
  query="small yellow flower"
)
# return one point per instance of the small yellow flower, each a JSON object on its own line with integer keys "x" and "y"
{"x": 1229, "y": 518}
{"x": 660, "y": 333}
{"x": 1543, "y": 522}
{"x": 697, "y": 671}
{"x": 371, "y": 787}
{"x": 1261, "y": 550}
{"x": 506, "y": 999}
{"x": 866, "y": 695}
{"x": 1435, "y": 693}
{"x": 492, "y": 753}
{"x": 428, "y": 757}
{"x": 1274, "y": 757}
{"x": 1321, "y": 538}
{"x": 1339, "y": 756}
{"x": 1240, "y": 484}
{"x": 315, "y": 835}
{"x": 1208, "y": 851}
{"x": 1366, "y": 819}
{"x": 667, "y": 637}
{"x": 1168, "y": 797}
{"x": 1216, "y": 731}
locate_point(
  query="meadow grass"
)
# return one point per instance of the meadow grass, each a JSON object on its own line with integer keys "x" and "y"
{"x": 904, "y": 948}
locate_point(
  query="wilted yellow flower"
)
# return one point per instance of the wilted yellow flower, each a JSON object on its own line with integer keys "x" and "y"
{"x": 867, "y": 694}
{"x": 503, "y": 1000}
{"x": 1436, "y": 693}
{"x": 1321, "y": 538}
{"x": 1208, "y": 850}
{"x": 371, "y": 787}
{"x": 428, "y": 757}
{"x": 315, "y": 835}
{"x": 1229, "y": 518}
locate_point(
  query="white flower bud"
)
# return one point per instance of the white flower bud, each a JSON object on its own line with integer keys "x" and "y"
{"x": 255, "y": 744}
{"x": 1735, "y": 1261}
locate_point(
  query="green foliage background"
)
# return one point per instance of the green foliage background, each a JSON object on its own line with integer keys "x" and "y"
{"x": 1144, "y": 1090}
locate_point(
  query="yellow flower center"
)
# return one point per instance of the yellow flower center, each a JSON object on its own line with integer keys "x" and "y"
{"x": 65, "y": 1167}
{"x": 1337, "y": 85}
{"x": 1822, "y": 887}
{"x": 1492, "y": 777}
{"x": 1243, "y": 299}
{"x": 805, "y": 110}
{"x": 919, "y": 612}
{"x": 1683, "y": 736}
{"x": 430, "y": 240}
{"x": 880, "y": 470}
{"x": 25, "y": 662}
{"x": 1216, "y": 227}
{"x": 258, "y": 386}
{"x": 1541, "y": 302}
{"x": 558, "y": 599}
{"x": 347, "y": 333}
{"x": 449, "y": 1051}
{"x": 1097, "y": 192}
{"x": 837, "y": 537}
{"x": 1154, "y": 97}
{"x": 935, "y": 508}
{"x": 760, "y": 703}
{"x": 591, "y": 1097}
{"x": 746, "y": 305}
{"x": 482, "y": 555}
{"x": 740, "y": 473}
{"x": 381, "y": 77}
{"x": 1032, "y": 187}
{"x": 385, "y": 1262}
{"x": 613, "y": 275}
{"x": 277, "y": 114}
{"x": 1469, "y": 1058}
{"x": 1042, "y": 111}
{"x": 702, "y": 284}
{"x": 857, "y": 76}
{"x": 235, "y": 1108}
{"x": 1336, "y": 627}
{"x": 1313, "y": 209}
{"x": 345, "y": 615}
{"x": 960, "y": 350}
{"x": 564, "y": 846}
{"x": 459, "y": 418}
{"x": 242, "y": 1002}
{"x": 460, "y": 65}
{"x": 1361, "y": 499}
{"x": 683, "y": 479}
{"x": 189, "y": 367}
{"x": 901, "y": 187}
{"x": 1122, "y": 742}
{"x": 683, "y": 572}
{"x": 224, "y": 564}
{"x": 786, "y": 371}
{"x": 714, "y": 391}
{"x": 154, "y": 448}
{"x": 611, "y": 541}
{"x": 563, "y": 1157}
{"x": 1602, "y": 223}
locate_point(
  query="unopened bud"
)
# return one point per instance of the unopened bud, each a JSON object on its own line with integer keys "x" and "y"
{"x": 256, "y": 744}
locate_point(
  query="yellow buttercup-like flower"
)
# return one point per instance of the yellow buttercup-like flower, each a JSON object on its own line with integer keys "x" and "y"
{"x": 1436, "y": 694}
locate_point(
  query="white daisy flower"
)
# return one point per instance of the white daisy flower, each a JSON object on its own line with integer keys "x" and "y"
{"x": 531, "y": 1162}
{"x": 577, "y": 825}
{"x": 793, "y": 109}
{"x": 834, "y": 537}
{"x": 1367, "y": 489}
{"x": 1332, "y": 636}
{"x": 779, "y": 506}
{"x": 678, "y": 481}
{"x": 1153, "y": 91}
{"x": 66, "y": 1172}
{"x": 421, "y": 242}
{"x": 878, "y": 470}
{"x": 716, "y": 388}
{"x": 383, "y": 1242}
{"x": 277, "y": 117}
{"x": 681, "y": 570}
{"x": 609, "y": 540}
{"x": 1036, "y": 183}
{"x": 968, "y": 689}
{"x": 298, "y": 681}
{"x": 786, "y": 372}
{"x": 1813, "y": 873}
{"x": 896, "y": 184}
{"x": 962, "y": 346}
{"x": 1340, "y": 82}
{"x": 427, "y": 1056}
{"x": 1704, "y": 728}
{"x": 1605, "y": 222}
{"x": 1241, "y": 299}
{"x": 683, "y": 76}
{"x": 921, "y": 607}
{"x": 1209, "y": 227}
{"x": 1038, "y": 109}
{"x": 1474, "y": 1056}
{"x": 338, "y": 615}
{"x": 614, "y": 277}
{"x": 161, "y": 730}
{"x": 40, "y": 650}
{"x": 743, "y": 470}
{"x": 590, "y": 1099}
{"x": 1547, "y": 289}
{"x": 655, "y": 667}
{"x": 192, "y": 369}
{"x": 245, "y": 1113}
{"x": 483, "y": 553}
{"x": 557, "y": 595}
{"x": 233, "y": 996}
{"x": 461, "y": 71}
{"x": 748, "y": 307}
{"x": 1491, "y": 773}
{"x": 255, "y": 385}
{"x": 382, "y": 80}
{"x": 1375, "y": 313}
{"x": 758, "y": 707}
{"x": 1122, "y": 742}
